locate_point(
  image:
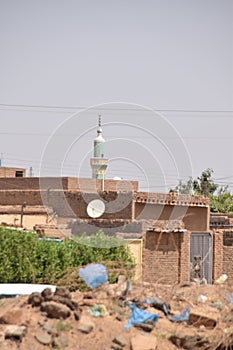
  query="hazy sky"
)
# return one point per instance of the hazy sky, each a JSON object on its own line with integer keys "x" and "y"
{"x": 123, "y": 58}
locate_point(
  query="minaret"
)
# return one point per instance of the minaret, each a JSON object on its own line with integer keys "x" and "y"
{"x": 98, "y": 162}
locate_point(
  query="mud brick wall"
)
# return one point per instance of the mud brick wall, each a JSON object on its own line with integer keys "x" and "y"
{"x": 6, "y": 172}
{"x": 72, "y": 204}
{"x": 195, "y": 218}
{"x": 165, "y": 257}
{"x": 66, "y": 183}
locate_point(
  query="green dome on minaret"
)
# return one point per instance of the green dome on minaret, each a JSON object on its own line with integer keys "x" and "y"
{"x": 98, "y": 162}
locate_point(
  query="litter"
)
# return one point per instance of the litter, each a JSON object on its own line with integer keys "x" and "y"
{"x": 98, "y": 310}
{"x": 140, "y": 316}
{"x": 221, "y": 279}
{"x": 202, "y": 298}
{"x": 158, "y": 304}
{"x": 230, "y": 298}
{"x": 94, "y": 275}
{"x": 218, "y": 304}
{"x": 184, "y": 317}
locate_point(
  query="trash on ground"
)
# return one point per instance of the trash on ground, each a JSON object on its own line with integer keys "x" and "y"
{"x": 202, "y": 298}
{"x": 94, "y": 275}
{"x": 158, "y": 304}
{"x": 98, "y": 310}
{"x": 221, "y": 279}
{"x": 140, "y": 316}
{"x": 218, "y": 305}
{"x": 230, "y": 298}
{"x": 184, "y": 317}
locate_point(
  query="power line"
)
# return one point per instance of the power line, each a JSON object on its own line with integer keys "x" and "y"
{"x": 72, "y": 109}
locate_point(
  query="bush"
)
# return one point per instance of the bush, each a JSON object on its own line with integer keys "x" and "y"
{"x": 25, "y": 259}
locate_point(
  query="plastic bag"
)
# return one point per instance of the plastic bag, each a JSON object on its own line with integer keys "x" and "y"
{"x": 184, "y": 317}
{"x": 140, "y": 316}
{"x": 94, "y": 275}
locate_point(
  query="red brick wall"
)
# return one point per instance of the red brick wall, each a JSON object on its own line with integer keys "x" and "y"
{"x": 228, "y": 262}
{"x": 165, "y": 257}
{"x": 217, "y": 254}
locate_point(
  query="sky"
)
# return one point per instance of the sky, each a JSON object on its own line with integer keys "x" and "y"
{"x": 160, "y": 72}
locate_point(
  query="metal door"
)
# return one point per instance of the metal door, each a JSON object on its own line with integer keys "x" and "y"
{"x": 201, "y": 256}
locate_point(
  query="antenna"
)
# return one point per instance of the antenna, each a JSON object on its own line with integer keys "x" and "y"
{"x": 95, "y": 208}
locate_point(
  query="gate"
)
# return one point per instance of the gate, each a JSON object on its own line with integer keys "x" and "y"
{"x": 201, "y": 256}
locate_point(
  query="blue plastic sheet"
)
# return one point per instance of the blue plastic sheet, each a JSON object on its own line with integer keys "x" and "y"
{"x": 184, "y": 317}
{"x": 230, "y": 298}
{"x": 140, "y": 316}
{"x": 158, "y": 301}
{"x": 94, "y": 275}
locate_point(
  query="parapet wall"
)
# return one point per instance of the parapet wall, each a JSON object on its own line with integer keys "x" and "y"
{"x": 67, "y": 183}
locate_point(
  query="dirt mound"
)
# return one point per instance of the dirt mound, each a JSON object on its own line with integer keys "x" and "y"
{"x": 95, "y": 320}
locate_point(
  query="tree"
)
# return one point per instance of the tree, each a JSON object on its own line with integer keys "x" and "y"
{"x": 204, "y": 184}
{"x": 220, "y": 202}
{"x": 184, "y": 188}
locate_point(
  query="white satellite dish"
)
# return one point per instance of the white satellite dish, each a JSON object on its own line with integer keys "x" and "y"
{"x": 95, "y": 208}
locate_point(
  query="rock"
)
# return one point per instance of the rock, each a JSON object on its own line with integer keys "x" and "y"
{"x": 147, "y": 327}
{"x": 47, "y": 294}
{"x": 35, "y": 299}
{"x": 61, "y": 342}
{"x": 15, "y": 332}
{"x": 43, "y": 338}
{"x": 199, "y": 318}
{"x": 11, "y": 316}
{"x": 77, "y": 315}
{"x": 116, "y": 347}
{"x": 189, "y": 342}
{"x": 55, "y": 310}
{"x": 85, "y": 328}
{"x": 120, "y": 340}
{"x": 143, "y": 342}
{"x": 62, "y": 292}
{"x": 66, "y": 301}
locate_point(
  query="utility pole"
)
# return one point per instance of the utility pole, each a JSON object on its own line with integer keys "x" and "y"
{"x": 31, "y": 172}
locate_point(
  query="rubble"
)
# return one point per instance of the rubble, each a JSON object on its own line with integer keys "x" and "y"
{"x": 44, "y": 320}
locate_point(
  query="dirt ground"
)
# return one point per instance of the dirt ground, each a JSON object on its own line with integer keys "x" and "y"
{"x": 210, "y": 324}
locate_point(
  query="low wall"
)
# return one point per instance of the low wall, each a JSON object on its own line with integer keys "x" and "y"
{"x": 165, "y": 257}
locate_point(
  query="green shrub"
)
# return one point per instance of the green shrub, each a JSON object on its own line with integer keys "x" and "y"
{"x": 25, "y": 259}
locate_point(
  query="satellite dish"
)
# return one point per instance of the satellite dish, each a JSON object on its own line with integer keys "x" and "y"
{"x": 95, "y": 208}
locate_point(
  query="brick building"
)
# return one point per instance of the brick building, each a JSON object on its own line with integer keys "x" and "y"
{"x": 8, "y": 172}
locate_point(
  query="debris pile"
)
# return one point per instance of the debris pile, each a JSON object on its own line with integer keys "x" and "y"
{"x": 114, "y": 316}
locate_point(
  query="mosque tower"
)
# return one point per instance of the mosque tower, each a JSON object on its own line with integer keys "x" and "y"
{"x": 98, "y": 162}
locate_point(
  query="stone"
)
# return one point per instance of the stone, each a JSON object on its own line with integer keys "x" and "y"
{"x": 147, "y": 327}
{"x": 120, "y": 340}
{"x": 189, "y": 342}
{"x": 77, "y": 315}
{"x": 143, "y": 342}
{"x": 55, "y": 310}
{"x": 15, "y": 332}
{"x": 116, "y": 347}
{"x": 35, "y": 299}
{"x": 200, "y": 318}
{"x": 66, "y": 301}
{"x": 61, "y": 342}
{"x": 47, "y": 294}
{"x": 62, "y": 292}
{"x": 85, "y": 328}
{"x": 11, "y": 316}
{"x": 43, "y": 338}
